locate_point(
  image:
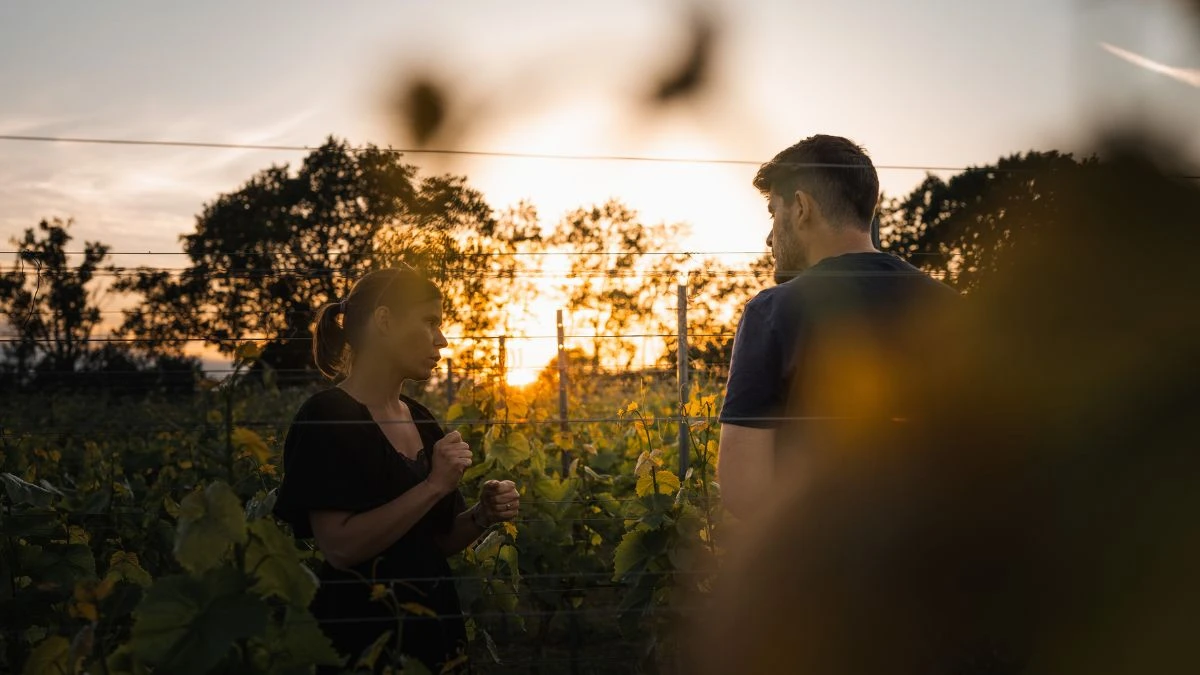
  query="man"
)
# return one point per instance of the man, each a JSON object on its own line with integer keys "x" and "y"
{"x": 836, "y": 294}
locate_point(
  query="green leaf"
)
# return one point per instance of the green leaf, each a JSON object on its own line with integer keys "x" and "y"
{"x": 23, "y": 492}
{"x": 501, "y": 596}
{"x": 479, "y": 470}
{"x": 61, "y": 564}
{"x": 209, "y": 521}
{"x": 171, "y": 506}
{"x": 126, "y": 567}
{"x": 510, "y": 452}
{"x": 638, "y": 549}
{"x": 553, "y": 490}
{"x": 247, "y": 441}
{"x": 644, "y": 464}
{"x": 370, "y": 655}
{"x": 273, "y": 559}
{"x": 491, "y": 646}
{"x": 186, "y": 626}
{"x": 666, "y": 482}
{"x": 519, "y": 442}
{"x": 299, "y": 642}
{"x": 261, "y": 507}
{"x": 489, "y": 547}
{"x": 630, "y": 555}
{"x": 51, "y": 657}
{"x": 508, "y": 554}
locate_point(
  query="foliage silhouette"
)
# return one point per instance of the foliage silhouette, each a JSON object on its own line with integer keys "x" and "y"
{"x": 264, "y": 257}
{"x": 963, "y": 227}
{"x": 53, "y": 310}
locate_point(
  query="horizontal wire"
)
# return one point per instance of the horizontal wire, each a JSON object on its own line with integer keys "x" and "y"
{"x": 665, "y": 419}
{"x": 141, "y": 512}
{"x": 582, "y": 254}
{"x": 533, "y": 575}
{"x": 471, "y": 254}
{"x": 582, "y": 611}
{"x": 267, "y": 273}
{"x": 488, "y": 153}
{"x": 308, "y": 273}
{"x": 534, "y": 663}
{"x": 486, "y": 371}
{"x": 301, "y": 338}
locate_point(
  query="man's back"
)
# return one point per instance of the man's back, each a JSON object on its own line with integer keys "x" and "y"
{"x": 820, "y": 345}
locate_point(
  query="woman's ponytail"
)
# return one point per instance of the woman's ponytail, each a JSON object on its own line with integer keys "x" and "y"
{"x": 329, "y": 341}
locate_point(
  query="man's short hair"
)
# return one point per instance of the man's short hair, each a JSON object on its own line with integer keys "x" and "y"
{"x": 836, "y": 171}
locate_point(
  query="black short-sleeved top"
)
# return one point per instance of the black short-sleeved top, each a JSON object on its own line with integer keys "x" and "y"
{"x": 875, "y": 289}
{"x": 337, "y": 458}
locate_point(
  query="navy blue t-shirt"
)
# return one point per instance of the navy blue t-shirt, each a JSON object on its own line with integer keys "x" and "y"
{"x": 875, "y": 289}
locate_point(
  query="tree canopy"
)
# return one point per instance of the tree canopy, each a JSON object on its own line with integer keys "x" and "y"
{"x": 960, "y": 229}
{"x": 264, "y": 257}
{"x": 50, "y": 306}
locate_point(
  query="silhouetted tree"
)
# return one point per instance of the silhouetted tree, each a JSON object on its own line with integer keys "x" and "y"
{"x": 120, "y": 369}
{"x": 962, "y": 228}
{"x": 264, "y": 257}
{"x": 50, "y": 306}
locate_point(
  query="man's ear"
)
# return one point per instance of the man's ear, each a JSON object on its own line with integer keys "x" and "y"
{"x": 806, "y": 209}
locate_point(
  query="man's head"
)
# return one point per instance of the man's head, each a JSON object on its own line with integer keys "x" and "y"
{"x": 822, "y": 193}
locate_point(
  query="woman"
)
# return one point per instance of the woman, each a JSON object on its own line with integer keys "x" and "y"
{"x": 370, "y": 475}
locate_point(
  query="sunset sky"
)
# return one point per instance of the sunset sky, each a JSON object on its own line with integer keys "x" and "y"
{"x": 936, "y": 83}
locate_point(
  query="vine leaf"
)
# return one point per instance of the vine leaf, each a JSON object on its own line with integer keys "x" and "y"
{"x": 52, "y": 656}
{"x": 187, "y": 626}
{"x": 123, "y": 566}
{"x": 23, "y": 492}
{"x": 512, "y": 451}
{"x": 666, "y": 483}
{"x": 209, "y": 521}
{"x": 300, "y": 643}
{"x": 248, "y": 442}
{"x": 630, "y": 554}
{"x": 277, "y": 566}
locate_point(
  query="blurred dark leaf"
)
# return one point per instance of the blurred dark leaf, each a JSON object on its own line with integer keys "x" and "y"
{"x": 691, "y": 74}
{"x": 423, "y": 105}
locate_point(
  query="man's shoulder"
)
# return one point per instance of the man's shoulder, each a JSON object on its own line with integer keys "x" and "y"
{"x": 768, "y": 298}
{"x": 776, "y": 305}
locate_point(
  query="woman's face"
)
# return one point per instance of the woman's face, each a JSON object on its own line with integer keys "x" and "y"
{"x": 414, "y": 339}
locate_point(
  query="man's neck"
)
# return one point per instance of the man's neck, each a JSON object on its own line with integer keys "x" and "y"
{"x": 841, "y": 242}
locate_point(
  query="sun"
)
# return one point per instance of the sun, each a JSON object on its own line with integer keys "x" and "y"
{"x": 521, "y": 377}
{"x": 528, "y": 355}
{"x": 531, "y": 343}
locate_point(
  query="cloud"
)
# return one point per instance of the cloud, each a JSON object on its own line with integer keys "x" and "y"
{"x": 1186, "y": 75}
